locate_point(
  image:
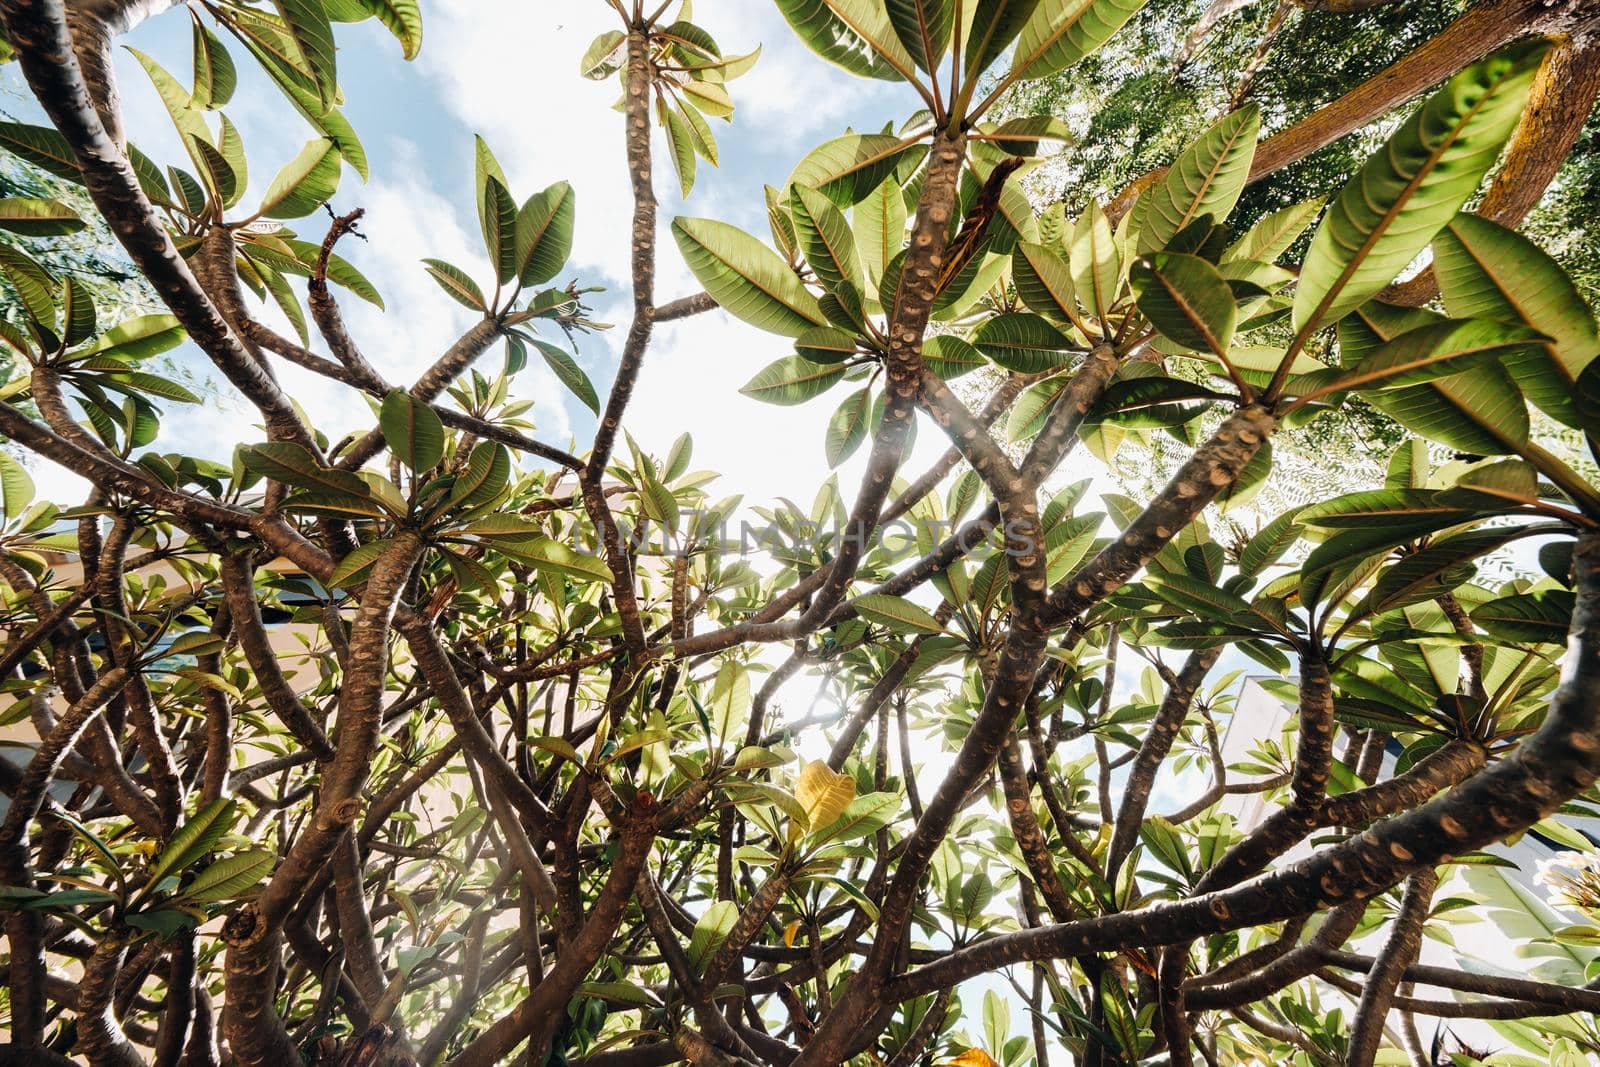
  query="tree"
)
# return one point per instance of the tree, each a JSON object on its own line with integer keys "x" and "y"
{"x": 525, "y": 785}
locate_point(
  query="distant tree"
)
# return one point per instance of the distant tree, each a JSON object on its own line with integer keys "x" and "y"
{"x": 442, "y": 744}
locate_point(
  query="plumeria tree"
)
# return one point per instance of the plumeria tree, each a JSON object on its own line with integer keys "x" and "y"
{"x": 440, "y": 743}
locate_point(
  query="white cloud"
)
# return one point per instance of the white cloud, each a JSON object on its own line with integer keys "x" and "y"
{"x": 691, "y": 383}
{"x": 509, "y": 71}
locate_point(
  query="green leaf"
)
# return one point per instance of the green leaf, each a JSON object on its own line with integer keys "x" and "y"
{"x": 298, "y": 257}
{"x": 831, "y": 39}
{"x": 1201, "y": 598}
{"x": 403, "y": 19}
{"x": 305, "y": 183}
{"x": 32, "y": 282}
{"x": 847, "y": 427}
{"x": 544, "y": 233}
{"x": 1205, "y": 179}
{"x": 867, "y": 814}
{"x": 1187, "y": 299}
{"x": 230, "y": 146}
{"x": 879, "y": 222}
{"x": 558, "y": 746}
{"x": 283, "y": 296}
{"x": 179, "y": 104}
{"x": 293, "y": 465}
{"x": 191, "y": 195}
{"x": 847, "y": 169}
{"x": 215, "y": 76}
{"x": 191, "y": 841}
{"x": 791, "y": 380}
{"x": 1541, "y": 617}
{"x": 1487, "y": 271}
{"x": 16, "y": 487}
{"x": 1586, "y": 399}
{"x": 700, "y": 135}
{"x": 607, "y": 54}
{"x": 827, "y": 344}
{"x": 656, "y": 500}
{"x": 995, "y": 24}
{"x": 497, "y": 217}
{"x": 1021, "y": 342}
{"x": 42, "y": 146}
{"x": 1270, "y": 543}
{"x": 860, "y": 897}
{"x": 1442, "y": 349}
{"x": 220, "y": 177}
{"x": 307, "y": 23}
{"x": 352, "y": 570}
{"x": 487, "y": 471}
{"x": 33, "y": 217}
{"x": 570, "y": 374}
{"x": 1028, "y": 413}
{"x": 824, "y": 238}
{"x": 924, "y": 28}
{"x": 710, "y": 931}
{"x": 896, "y": 613}
{"x": 1409, "y": 189}
{"x": 1043, "y": 281}
{"x": 709, "y": 98}
{"x": 624, "y": 993}
{"x": 949, "y": 356}
{"x": 542, "y": 553}
{"x": 77, "y": 312}
{"x": 230, "y": 878}
{"x": 1024, "y": 135}
{"x": 746, "y": 277}
{"x": 1383, "y": 508}
{"x": 1272, "y": 235}
{"x": 139, "y": 338}
{"x": 1151, "y": 400}
{"x": 1479, "y": 410}
{"x": 680, "y": 144}
{"x": 1095, "y": 263}
{"x": 413, "y": 430}
{"x": 335, "y": 505}
{"x": 1061, "y": 32}
{"x": 730, "y": 699}
{"x": 691, "y": 41}
{"x": 1408, "y": 466}
{"x": 454, "y": 280}
{"x": 164, "y": 922}
{"x": 153, "y": 384}
{"x": 853, "y": 34}
{"x": 1433, "y": 571}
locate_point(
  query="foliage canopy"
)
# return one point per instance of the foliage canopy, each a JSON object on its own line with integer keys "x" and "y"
{"x": 443, "y": 744}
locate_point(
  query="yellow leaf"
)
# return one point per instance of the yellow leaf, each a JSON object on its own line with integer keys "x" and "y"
{"x": 823, "y": 794}
{"x": 973, "y": 1057}
{"x": 789, "y": 932}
